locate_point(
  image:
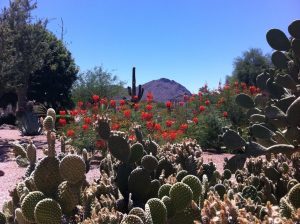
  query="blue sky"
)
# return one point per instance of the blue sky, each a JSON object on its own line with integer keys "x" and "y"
{"x": 191, "y": 41}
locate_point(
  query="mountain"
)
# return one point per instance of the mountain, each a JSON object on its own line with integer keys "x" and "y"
{"x": 165, "y": 89}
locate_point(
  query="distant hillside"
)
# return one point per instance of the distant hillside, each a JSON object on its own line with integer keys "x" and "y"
{"x": 164, "y": 89}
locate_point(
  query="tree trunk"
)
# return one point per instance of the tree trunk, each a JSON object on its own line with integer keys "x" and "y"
{"x": 22, "y": 99}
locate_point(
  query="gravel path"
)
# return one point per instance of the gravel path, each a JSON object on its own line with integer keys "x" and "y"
{"x": 12, "y": 173}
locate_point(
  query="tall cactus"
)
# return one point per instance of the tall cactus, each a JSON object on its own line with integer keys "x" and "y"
{"x": 132, "y": 91}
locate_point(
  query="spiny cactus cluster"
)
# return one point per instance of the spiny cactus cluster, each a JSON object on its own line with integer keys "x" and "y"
{"x": 51, "y": 187}
{"x": 274, "y": 113}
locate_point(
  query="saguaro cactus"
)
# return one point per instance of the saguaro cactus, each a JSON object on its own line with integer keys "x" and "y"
{"x": 132, "y": 91}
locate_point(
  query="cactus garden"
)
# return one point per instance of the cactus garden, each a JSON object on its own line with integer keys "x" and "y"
{"x": 134, "y": 160}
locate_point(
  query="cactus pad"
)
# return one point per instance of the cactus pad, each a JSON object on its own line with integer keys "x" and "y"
{"x": 194, "y": 183}
{"x": 29, "y": 203}
{"x": 48, "y": 211}
{"x": 157, "y": 209}
{"x": 72, "y": 168}
{"x": 181, "y": 196}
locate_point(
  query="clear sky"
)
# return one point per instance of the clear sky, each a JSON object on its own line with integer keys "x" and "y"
{"x": 189, "y": 41}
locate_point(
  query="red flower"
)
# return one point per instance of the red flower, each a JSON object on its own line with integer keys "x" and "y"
{"x": 173, "y": 136}
{"x": 207, "y": 102}
{"x": 168, "y": 104}
{"x": 135, "y": 97}
{"x": 200, "y": 94}
{"x": 122, "y": 102}
{"x": 195, "y": 120}
{"x": 83, "y": 112}
{"x": 112, "y": 103}
{"x": 244, "y": 85}
{"x": 132, "y": 138}
{"x": 87, "y": 120}
{"x": 136, "y": 106}
{"x": 192, "y": 98}
{"x": 252, "y": 90}
{"x": 183, "y": 127}
{"x": 79, "y": 103}
{"x": 62, "y": 112}
{"x": 225, "y": 114}
{"x": 150, "y": 125}
{"x": 169, "y": 123}
{"x": 149, "y": 107}
{"x": 185, "y": 97}
{"x": 157, "y": 127}
{"x": 85, "y": 127}
{"x": 115, "y": 127}
{"x": 149, "y": 97}
{"x": 226, "y": 87}
{"x": 73, "y": 112}
{"x": 95, "y": 98}
{"x": 103, "y": 101}
{"x": 70, "y": 133}
{"x": 146, "y": 116}
{"x": 62, "y": 121}
{"x": 202, "y": 108}
{"x": 236, "y": 84}
{"x": 181, "y": 103}
{"x": 127, "y": 113}
{"x": 100, "y": 143}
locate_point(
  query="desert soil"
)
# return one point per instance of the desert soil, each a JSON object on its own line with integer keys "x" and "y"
{"x": 11, "y": 173}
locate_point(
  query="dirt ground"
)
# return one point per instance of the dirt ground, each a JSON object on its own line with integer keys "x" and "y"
{"x": 11, "y": 173}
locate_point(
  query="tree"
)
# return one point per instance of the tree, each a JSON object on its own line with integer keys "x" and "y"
{"x": 249, "y": 65}
{"x": 99, "y": 82}
{"x": 33, "y": 62}
{"x": 23, "y": 47}
{"x": 58, "y": 70}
